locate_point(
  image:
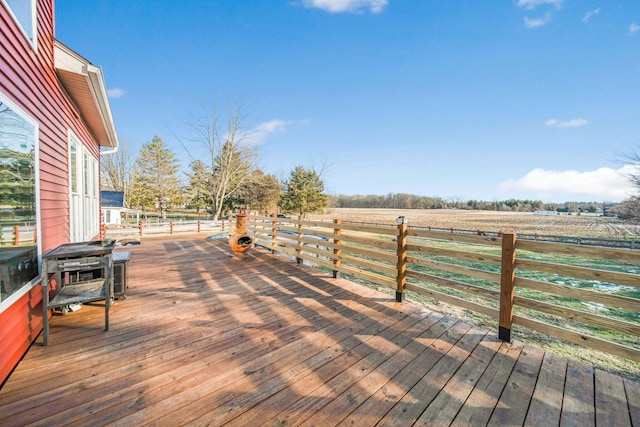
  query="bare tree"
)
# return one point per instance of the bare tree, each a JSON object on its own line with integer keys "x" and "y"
{"x": 633, "y": 160}
{"x": 230, "y": 158}
{"x": 630, "y": 208}
{"x": 117, "y": 171}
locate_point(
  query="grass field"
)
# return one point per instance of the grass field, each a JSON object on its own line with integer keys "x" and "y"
{"x": 519, "y": 222}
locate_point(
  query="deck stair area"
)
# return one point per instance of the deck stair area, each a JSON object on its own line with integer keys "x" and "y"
{"x": 207, "y": 338}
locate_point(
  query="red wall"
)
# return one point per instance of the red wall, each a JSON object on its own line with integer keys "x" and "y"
{"x": 28, "y": 78}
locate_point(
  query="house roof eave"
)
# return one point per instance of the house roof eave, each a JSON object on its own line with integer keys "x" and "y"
{"x": 85, "y": 84}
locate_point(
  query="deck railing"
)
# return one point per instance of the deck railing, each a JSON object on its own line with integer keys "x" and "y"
{"x": 16, "y": 235}
{"x": 585, "y": 295}
{"x": 144, "y": 228}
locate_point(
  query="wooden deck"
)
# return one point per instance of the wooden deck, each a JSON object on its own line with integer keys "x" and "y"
{"x": 204, "y": 338}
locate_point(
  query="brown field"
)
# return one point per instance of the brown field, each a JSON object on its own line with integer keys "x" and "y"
{"x": 519, "y": 222}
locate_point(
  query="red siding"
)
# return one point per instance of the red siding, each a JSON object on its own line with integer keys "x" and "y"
{"x": 28, "y": 78}
{"x": 21, "y": 324}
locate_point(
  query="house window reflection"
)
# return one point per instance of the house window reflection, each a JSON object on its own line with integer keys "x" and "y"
{"x": 18, "y": 208}
{"x": 24, "y": 12}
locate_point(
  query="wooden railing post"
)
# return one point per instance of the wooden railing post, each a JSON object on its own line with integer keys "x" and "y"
{"x": 198, "y": 226}
{"x": 507, "y": 289}
{"x": 337, "y": 231}
{"x": 141, "y": 226}
{"x": 401, "y": 275}
{"x": 171, "y": 227}
{"x": 16, "y": 235}
{"x": 274, "y": 230}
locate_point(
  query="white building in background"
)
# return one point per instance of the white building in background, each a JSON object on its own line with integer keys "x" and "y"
{"x": 546, "y": 213}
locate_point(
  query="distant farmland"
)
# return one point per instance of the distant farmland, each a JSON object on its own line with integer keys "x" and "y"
{"x": 584, "y": 225}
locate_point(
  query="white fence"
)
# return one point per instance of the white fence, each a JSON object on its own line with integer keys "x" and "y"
{"x": 135, "y": 232}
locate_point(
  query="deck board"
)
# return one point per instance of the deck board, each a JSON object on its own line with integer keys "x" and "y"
{"x": 632, "y": 390}
{"x": 480, "y": 404}
{"x": 207, "y": 338}
{"x": 458, "y": 345}
{"x": 578, "y": 406}
{"x": 514, "y": 402}
{"x": 546, "y": 403}
{"x": 611, "y": 401}
{"x": 446, "y": 405}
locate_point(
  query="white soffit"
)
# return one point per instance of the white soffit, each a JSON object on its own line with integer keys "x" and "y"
{"x": 85, "y": 84}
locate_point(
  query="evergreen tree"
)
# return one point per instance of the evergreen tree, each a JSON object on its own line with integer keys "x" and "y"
{"x": 303, "y": 193}
{"x": 156, "y": 182}
{"x": 261, "y": 192}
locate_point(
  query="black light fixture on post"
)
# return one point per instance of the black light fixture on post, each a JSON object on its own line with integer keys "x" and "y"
{"x": 402, "y": 220}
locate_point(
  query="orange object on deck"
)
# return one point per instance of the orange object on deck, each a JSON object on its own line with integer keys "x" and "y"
{"x": 240, "y": 242}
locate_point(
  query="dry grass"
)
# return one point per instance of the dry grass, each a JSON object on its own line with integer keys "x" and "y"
{"x": 518, "y": 222}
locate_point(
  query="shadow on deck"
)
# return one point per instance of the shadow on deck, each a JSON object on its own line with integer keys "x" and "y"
{"x": 205, "y": 338}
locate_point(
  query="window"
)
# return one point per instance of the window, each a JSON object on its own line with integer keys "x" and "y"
{"x": 73, "y": 153}
{"x": 24, "y": 13}
{"x": 83, "y": 179}
{"x": 19, "y": 249}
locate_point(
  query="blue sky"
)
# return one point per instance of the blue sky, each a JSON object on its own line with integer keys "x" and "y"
{"x": 468, "y": 99}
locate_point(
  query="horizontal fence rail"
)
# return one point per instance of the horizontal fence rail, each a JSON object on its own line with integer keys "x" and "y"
{"x": 144, "y": 228}
{"x": 582, "y": 294}
{"x": 585, "y": 241}
{"x": 16, "y": 235}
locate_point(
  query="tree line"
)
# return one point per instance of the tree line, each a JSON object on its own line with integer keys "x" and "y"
{"x": 224, "y": 178}
{"x": 411, "y": 201}
{"x": 628, "y": 209}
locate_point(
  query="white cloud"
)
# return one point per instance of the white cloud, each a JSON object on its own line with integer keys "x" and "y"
{"x": 537, "y": 22}
{"x": 115, "y": 93}
{"x": 574, "y": 123}
{"x": 634, "y": 28}
{"x": 532, "y": 4}
{"x": 264, "y": 130}
{"x": 590, "y": 14}
{"x": 339, "y": 6}
{"x": 603, "y": 183}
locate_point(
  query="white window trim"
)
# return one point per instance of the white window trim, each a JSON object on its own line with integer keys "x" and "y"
{"x": 33, "y": 38}
{"x": 71, "y": 138}
{"x": 88, "y": 210}
{"x": 11, "y": 299}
